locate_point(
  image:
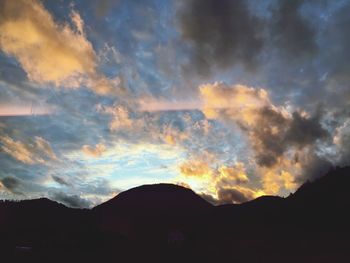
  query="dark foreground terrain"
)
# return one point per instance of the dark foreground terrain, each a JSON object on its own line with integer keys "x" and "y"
{"x": 168, "y": 223}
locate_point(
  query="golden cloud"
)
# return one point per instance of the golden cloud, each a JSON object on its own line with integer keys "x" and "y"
{"x": 238, "y": 103}
{"x": 237, "y": 194}
{"x": 96, "y": 151}
{"x": 196, "y": 168}
{"x": 49, "y": 52}
{"x": 145, "y": 126}
{"x": 235, "y": 173}
{"x": 121, "y": 118}
{"x": 271, "y": 130}
{"x": 39, "y": 151}
{"x": 223, "y": 183}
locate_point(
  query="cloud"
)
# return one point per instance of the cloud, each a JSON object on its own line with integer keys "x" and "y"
{"x": 314, "y": 166}
{"x": 239, "y": 137}
{"x": 235, "y": 174}
{"x": 284, "y": 145}
{"x": 304, "y": 130}
{"x": 223, "y": 174}
{"x": 271, "y": 129}
{"x": 121, "y": 118}
{"x": 49, "y": 52}
{"x": 336, "y": 40}
{"x": 197, "y": 168}
{"x": 78, "y": 22}
{"x": 144, "y": 126}
{"x": 246, "y": 33}
{"x": 222, "y": 33}
{"x": 290, "y": 30}
{"x": 209, "y": 198}
{"x": 73, "y": 201}
{"x": 235, "y": 195}
{"x": 60, "y": 180}
{"x": 96, "y": 151}
{"x": 12, "y": 184}
{"x": 282, "y": 176}
{"x": 341, "y": 140}
{"x": 223, "y": 183}
{"x": 38, "y": 151}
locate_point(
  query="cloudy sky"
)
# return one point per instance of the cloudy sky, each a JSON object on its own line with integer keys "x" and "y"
{"x": 234, "y": 99}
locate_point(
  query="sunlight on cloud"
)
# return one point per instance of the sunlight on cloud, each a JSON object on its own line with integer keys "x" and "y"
{"x": 96, "y": 151}
{"x": 222, "y": 182}
{"x": 50, "y": 52}
{"x": 37, "y": 151}
{"x": 232, "y": 112}
{"x": 127, "y": 165}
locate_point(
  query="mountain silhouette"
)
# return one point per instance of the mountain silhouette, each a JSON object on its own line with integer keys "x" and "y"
{"x": 160, "y": 198}
{"x": 151, "y": 211}
{"x": 170, "y": 223}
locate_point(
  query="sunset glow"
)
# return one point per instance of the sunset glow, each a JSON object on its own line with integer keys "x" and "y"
{"x": 97, "y": 100}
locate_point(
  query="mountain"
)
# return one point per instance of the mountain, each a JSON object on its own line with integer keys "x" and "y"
{"x": 159, "y": 198}
{"x": 40, "y": 225}
{"x": 151, "y": 211}
{"x": 170, "y": 223}
{"x": 311, "y": 225}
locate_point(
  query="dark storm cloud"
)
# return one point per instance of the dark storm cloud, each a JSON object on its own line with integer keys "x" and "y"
{"x": 73, "y": 201}
{"x": 227, "y": 33}
{"x": 290, "y": 31}
{"x": 222, "y": 33}
{"x": 268, "y": 143}
{"x": 274, "y": 133}
{"x": 304, "y": 131}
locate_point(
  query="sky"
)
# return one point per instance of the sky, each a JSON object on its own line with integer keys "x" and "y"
{"x": 233, "y": 99}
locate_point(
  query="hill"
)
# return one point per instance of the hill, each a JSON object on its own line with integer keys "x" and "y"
{"x": 169, "y": 223}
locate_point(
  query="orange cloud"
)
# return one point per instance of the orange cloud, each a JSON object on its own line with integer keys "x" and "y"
{"x": 281, "y": 176}
{"x": 196, "y": 168}
{"x": 235, "y": 173}
{"x": 237, "y": 194}
{"x": 238, "y": 103}
{"x": 121, "y": 119}
{"x": 171, "y": 135}
{"x": 49, "y": 52}
{"x": 39, "y": 151}
{"x": 223, "y": 183}
{"x": 96, "y": 151}
{"x": 145, "y": 126}
{"x": 271, "y": 130}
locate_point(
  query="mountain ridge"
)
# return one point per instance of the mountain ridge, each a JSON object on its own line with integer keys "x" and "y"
{"x": 313, "y": 222}
{"x": 167, "y": 186}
